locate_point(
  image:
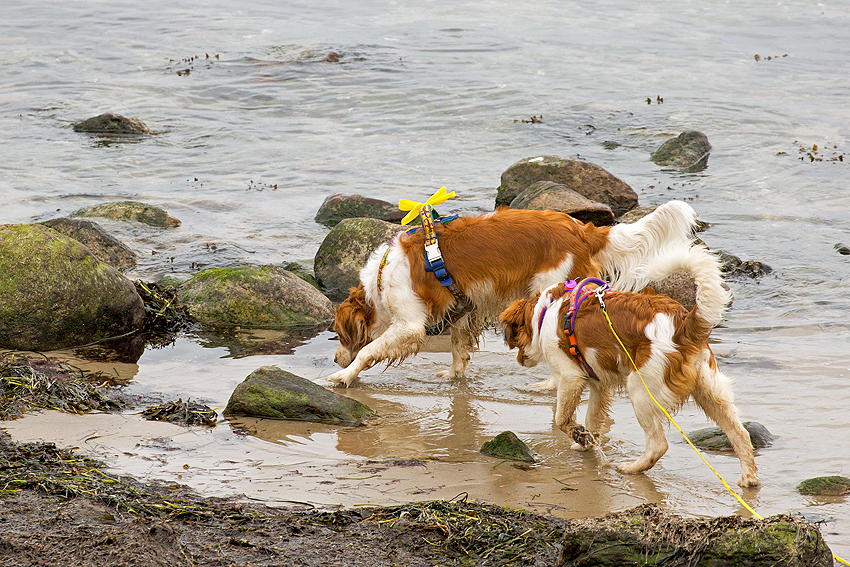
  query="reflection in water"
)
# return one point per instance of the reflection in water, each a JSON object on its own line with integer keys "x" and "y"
{"x": 253, "y": 342}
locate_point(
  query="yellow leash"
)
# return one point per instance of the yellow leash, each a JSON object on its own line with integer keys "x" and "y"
{"x": 673, "y": 421}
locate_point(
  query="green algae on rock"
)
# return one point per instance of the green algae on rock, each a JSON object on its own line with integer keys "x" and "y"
{"x": 275, "y": 393}
{"x": 825, "y": 486}
{"x": 54, "y": 293}
{"x": 130, "y": 211}
{"x": 257, "y": 297}
{"x": 507, "y": 445}
{"x": 102, "y": 244}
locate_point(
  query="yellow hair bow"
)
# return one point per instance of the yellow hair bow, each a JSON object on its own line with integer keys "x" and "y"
{"x": 414, "y": 207}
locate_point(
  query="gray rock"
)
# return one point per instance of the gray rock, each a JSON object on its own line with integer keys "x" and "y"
{"x": 54, "y": 293}
{"x": 256, "y": 297}
{"x": 338, "y": 207}
{"x": 647, "y": 535}
{"x": 586, "y": 179}
{"x": 345, "y": 250}
{"x": 130, "y": 211}
{"x": 734, "y": 266}
{"x": 680, "y": 286}
{"x": 713, "y": 438}
{"x": 102, "y": 244}
{"x": 112, "y": 124}
{"x": 825, "y": 486}
{"x": 507, "y": 445}
{"x": 686, "y": 152}
{"x": 555, "y": 197}
{"x": 275, "y": 393}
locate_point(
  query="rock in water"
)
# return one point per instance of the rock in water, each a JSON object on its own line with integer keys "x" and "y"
{"x": 507, "y": 445}
{"x": 275, "y": 393}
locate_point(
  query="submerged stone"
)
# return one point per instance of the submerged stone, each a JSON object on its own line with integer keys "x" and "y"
{"x": 275, "y": 393}
{"x": 713, "y": 438}
{"x": 130, "y": 211}
{"x": 109, "y": 123}
{"x": 548, "y": 195}
{"x": 256, "y": 297}
{"x": 825, "y": 486}
{"x": 686, "y": 152}
{"x": 54, "y": 293}
{"x": 507, "y": 445}
{"x": 346, "y": 249}
{"x": 586, "y": 179}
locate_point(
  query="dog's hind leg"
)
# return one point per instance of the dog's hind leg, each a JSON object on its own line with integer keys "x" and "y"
{"x": 713, "y": 395}
{"x": 464, "y": 341}
{"x": 400, "y": 340}
{"x": 651, "y": 420}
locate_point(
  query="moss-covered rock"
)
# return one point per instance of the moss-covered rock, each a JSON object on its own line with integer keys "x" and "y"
{"x": 257, "y": 297}
{"x": 130, "y": 211}
{"x": 112, "y": 124}
{"x": 686, "y": 152}
{"x": 825, "y": 486}
{"x": 647, "y": 535}
{"x": 553, "y": 196}
{"x": 713, "y": 438}
{"x": 275, "y": 393}
{"x": 338, "y": 207}
{"x": 54, "y": 293}
{"x": 102, "y": 244}
{"x": 507, "y": 445}
{"x": 346, "y": 249}
{"x": 586, "y": 179}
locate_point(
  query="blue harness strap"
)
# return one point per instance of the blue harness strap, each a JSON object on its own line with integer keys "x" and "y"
{"x": 433, "y": 257}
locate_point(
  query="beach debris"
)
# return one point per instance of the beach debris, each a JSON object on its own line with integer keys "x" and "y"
{"x": 183, "y": 413}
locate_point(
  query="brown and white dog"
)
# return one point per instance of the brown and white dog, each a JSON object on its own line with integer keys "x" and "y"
{"x": 668, "y": 344}
{"x": 493, "y": 258}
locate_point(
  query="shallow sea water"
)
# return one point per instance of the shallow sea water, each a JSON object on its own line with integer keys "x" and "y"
{"x": 251, "y": 140}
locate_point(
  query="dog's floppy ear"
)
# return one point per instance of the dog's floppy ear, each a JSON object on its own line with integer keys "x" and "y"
{"x": 354, "y": 317}
{"x": 516, "y": 321}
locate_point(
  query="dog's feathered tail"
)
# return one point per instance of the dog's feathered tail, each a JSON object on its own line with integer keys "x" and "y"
{"x": 631, "y": 246}
{"x": 712, "y": 297}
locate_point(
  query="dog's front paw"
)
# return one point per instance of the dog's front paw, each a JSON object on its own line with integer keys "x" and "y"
{"x": 449, "y": 374}
{"x": 546, "y": 385}
{"x": 748, "y": 480}
{"x": 634, "y": 467}
{"x": 583, "y": 439}
{"x": 342, "y": 378}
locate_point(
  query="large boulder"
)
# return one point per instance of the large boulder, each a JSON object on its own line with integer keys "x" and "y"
{"x": 553, "y": 196}
{"x": 101, "y": 243}
{"x": 345, "y": 250}
{"x": 255, "y": 297}
{"x": 109, "y": 123}
{"x": 686, "y": 152}
{"x": 275, "y": 393}
{"x": 54, "y": 293}
{"x": 338, "y": 207}
{"x": 130, "y": 211}
{"x": 647, "y": 535}
{"x": 586, "y": 179}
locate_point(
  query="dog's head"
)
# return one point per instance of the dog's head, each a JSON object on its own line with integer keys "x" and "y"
{"x": 518, "y": 323}
{"x": 352, "y": 323}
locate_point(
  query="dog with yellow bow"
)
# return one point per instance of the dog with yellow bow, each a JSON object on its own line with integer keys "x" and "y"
{"x": 466, "y": 270}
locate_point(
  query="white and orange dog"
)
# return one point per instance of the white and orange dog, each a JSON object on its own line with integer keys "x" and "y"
{"x": 494, "y": 258}
{"x": 669, "y": 346}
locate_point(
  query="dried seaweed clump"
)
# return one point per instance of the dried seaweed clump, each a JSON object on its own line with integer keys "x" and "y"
{"x": 165, "y": 317}
{"x": 485, "y": 534}
{"x": 184, "y": 413}
{"x": 23, "y": 388}
{"x": 44, "y": 467}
